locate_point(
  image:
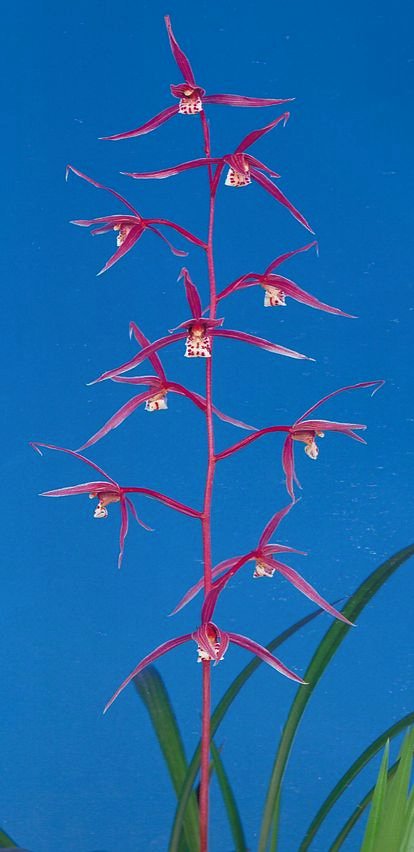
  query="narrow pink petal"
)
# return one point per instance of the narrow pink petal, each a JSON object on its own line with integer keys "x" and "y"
{"x": 243, "y": 101}
{"x": 264, "y": 655}
{"x": 136, "y": 517}
{"x": 276, "y": 192}
{"x": 248, "y": 280}
{"x": 233, "y": 422}
{"x": 218, "y": 586}
{"x": 270, "y": 549}
{"x": 150, "y": 658}
{"x": 150, "y": 125}
{"x": 288, "y": 464}
{"x": 168, "y": 501}
{"x": 84, "y": 488}
{"x": 377, "y": 385}
{"x": 328, "y": 425}
{"x": 273, "y": 524}
{"x": 101, "y": 186}
{"x": 303, "y": 586}
{"x": 291, "y": 289}
{"x": 145, "y": 353}
{"x": 179, "y": 55}
{"x": 257, "y": 164}
{"x": 123, "y": 531}
{"x": 249, "y": 440}
{"x": 177, "y": 252}
{"x": 118, "y": 417}
{"x": 139, "y": 380}
{"x": 95, "y": 231}
{"x": 110, "y": 220}
{"x": 36, "y": 445}
{"x": 194, "y": 590}
{"x": 143, "y": 341}
{"x": 134, "y": 235}
{"x": 160, "y": 174}
{"x": 259, "y": 341}
{"x": 193, "y": 296}
{"x": 254, "y": 135}
{"x": 198, "y": 400}
{"x": 183, "y": 231}
{"x": 283, "y": 257}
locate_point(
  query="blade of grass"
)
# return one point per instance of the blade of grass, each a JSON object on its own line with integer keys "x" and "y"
{"x": 373, "y": 829}
{"x": 217, "y": 717}
{"x": 6, "y": 842}
{"x": 357, "y": 813}
{"x": 229, "y": 801}
{"x": 321, "y": 658}
{"x": 346, "y": 779}
{"x": 394, "y": 812}
{"x": 153, "y": 693}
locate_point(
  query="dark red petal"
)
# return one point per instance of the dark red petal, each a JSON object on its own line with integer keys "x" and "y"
{"x": 179, "y": 55}
{"x": 160, "y": 174}
{"x": 187, "y": 234}
{"x": 177, "y": 252}
{"x": 101, "y": 186}
{"x": 276, "y": 192}
{"x": 264, "y": 655}
{"x": 291, "y": 289}
{"x": 378, "y": 382}
{"x": 83, "y": 488}
{"x": 254, "y": 135}
{"x": 288, "y": 464}
{"x": 36, "y": 445}
{"x": 248, "y": 280}
{"x": 150, "y": 125}
{"x": 123, "y": 531}
{"x": 150, "y": 658}
{"x": 135, "y": 516}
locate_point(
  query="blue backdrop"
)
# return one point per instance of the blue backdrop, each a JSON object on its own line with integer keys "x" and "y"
{"x": 72, "y": 625}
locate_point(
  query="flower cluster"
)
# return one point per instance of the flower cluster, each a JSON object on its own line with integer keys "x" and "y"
{"x": 199, "y": 334}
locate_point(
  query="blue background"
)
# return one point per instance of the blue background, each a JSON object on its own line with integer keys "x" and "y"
{"x": 72, "y": 625}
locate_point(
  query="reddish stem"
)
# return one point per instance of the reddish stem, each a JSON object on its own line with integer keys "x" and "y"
{"x": 206, "y": 521}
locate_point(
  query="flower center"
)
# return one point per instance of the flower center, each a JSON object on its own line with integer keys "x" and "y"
{"x": 262, "y": 570}
{"x": 238, "y": 178}
{"x": 273, "y": 297}
{"x": 104, "y": 500}
{"x": 308, "y": 438}
{"x": 123, "y": 231}
{"x": 190, "y": 103}
{"x": 198, "y": 343}
{"x": 158, "y": 402}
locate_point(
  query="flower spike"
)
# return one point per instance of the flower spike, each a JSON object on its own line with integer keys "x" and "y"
{"x": 129, "y": 228}
{"x": 212, "y": 644}
{"x": 191, "y": 97}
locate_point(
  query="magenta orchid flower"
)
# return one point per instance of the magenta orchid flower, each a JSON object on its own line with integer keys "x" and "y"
{"x": 212, "y": 644}
{"x": 263, "y": 556}
{"x": 109, "y": 491}
{"x": 191, "y": 96}
{"x": 277, "y": 288}
{"x": 155, "y": 398}
{"x": 242, "y": 169}
{"x": 306, "y": 431}
{"x": 197, "y": 332}
{"x": 130, "y": 227}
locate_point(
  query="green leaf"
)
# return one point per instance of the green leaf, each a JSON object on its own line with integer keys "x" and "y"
{"x": 151, "y": 689}
{"x": 346, "y": 780}
{"x": 6, "y": 842}
{"x": 394, "y": 812}
{"x": 323, "y": 655}
{"x": 217, "y": 717}
{"x": 373, "y": 829}
{"x": 229, "y": 802}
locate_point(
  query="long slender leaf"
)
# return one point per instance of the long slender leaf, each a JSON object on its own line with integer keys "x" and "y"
{"x": 229, "y": 802}
{"x": 373, "y": 828}
{"x": 153, "y": 693}
{"x": 393, "y": 815}
{"x": 323, "y": 654}
{"x": 6, "y": 842}
{"x": 218, "y": 715}
{"x": 357, "y": 813}
{"x": 344, "y": 782}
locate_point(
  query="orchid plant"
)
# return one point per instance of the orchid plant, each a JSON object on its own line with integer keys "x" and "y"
{"x": 199, "y": 333}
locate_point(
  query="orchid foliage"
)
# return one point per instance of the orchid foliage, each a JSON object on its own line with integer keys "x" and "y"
{"x": 199, "y": 337}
